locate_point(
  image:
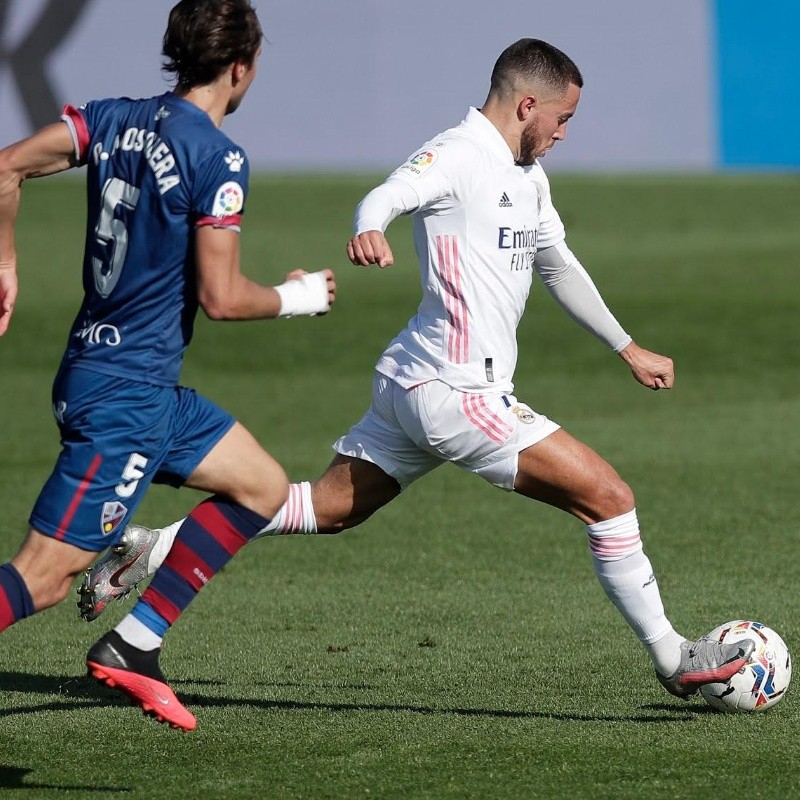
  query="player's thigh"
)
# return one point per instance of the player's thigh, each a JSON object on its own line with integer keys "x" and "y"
{"x": 113, "y": 435}
{"x": 566, "y": 473}
{"x": 238, "y": 467}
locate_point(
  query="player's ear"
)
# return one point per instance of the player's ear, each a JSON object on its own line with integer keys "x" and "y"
{"x": 238, "y": 70}
{"x": 526, "y": 106}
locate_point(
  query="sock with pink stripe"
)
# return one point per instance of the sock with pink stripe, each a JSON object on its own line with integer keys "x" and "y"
{"x": 296, "y": 515}
{"x": 627, "y": 578}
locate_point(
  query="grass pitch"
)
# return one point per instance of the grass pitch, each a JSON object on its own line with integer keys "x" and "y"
{"x": 457, "y": 644}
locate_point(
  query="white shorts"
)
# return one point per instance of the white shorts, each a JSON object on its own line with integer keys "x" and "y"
{"x": 409, "y": 432}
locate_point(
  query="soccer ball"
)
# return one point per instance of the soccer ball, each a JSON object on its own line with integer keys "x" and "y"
{"x": 762, "y": 681}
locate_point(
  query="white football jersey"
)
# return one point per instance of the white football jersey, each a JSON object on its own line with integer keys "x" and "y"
{"x": 478, "y": 221}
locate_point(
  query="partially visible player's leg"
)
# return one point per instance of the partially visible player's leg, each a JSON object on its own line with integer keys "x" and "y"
{"x": 212, "y": 453}
{"x": 101, "y": 473}
{"x": 249, "y": 486}
{"x": 565, "y": 473}
{"x": 39, "y": 576}
{"x": 374, "y": 461}
{"x": 349, "y": 491}
{"x": 48, "y": 566}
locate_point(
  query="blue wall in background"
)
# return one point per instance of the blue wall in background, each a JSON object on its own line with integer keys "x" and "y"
{"x": 758, "y": 83}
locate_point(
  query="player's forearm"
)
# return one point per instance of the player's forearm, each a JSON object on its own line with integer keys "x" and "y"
{"x": 10, "y": 182}
{"x": 243, "y": 299}
{"x": 383, "y": 204}
{"x": 573, "y": 289}
{"x": 302, "y": 294}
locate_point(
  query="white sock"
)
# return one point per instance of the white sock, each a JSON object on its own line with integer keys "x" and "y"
{"x": 296, "y": 515}
{"x": 138, "y": 634}
{"x": 627, "y": 577}
{"x": 666, "y": 652}
{"x": 163, "y": 545}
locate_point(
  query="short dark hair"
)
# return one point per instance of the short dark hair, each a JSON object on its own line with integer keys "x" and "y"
{"x": 204, "y": 37}
{"x": 533, "y": 59}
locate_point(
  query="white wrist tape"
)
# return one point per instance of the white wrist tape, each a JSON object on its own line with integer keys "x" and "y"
{"x": 305, "y": 296}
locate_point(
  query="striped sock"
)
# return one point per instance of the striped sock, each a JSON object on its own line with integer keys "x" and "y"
{"x": 627, "y": 577}
{"x": 296, "y": 515}
{"x": 16, "y": 602}
{"x": 210, "y": 536}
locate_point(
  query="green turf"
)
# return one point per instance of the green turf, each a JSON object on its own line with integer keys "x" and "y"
{"x": 457, "y": 645}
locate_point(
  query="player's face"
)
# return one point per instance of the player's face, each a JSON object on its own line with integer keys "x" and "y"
{"x": 548, "y": 125}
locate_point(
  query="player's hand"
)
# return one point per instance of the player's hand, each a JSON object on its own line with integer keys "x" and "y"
{"x": 650, "y": 369}
{"x": 8, "y": 295}
{"x": 330, "y": 278}
{"x": 368, "y": 248}
{"x": 317, "y": 296}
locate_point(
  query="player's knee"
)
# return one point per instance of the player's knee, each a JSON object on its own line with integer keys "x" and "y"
{"x": 266, "y": 499}
{"x": 618, "y": 499}
{"x": 263, "y": 490}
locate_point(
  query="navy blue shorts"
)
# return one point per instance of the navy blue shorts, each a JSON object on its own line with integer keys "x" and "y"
{"x": 118, "y": 436}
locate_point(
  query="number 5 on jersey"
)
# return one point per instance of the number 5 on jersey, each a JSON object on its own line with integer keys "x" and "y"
{"x": 111, "y": 230}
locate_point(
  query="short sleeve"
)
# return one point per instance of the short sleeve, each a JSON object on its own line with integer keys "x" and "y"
{"x": 220, "y": 188}
{"x": 77, "y": 120}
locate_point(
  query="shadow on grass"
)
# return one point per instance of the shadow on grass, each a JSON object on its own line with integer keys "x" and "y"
{"x": 15, "y": 778}
{"x": 91, "y": 694}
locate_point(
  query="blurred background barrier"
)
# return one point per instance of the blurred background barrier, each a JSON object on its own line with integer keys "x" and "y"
{"x": 356, "y": 85}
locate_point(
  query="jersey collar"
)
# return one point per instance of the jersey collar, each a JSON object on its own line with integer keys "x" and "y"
{"x": 483, "y": 130}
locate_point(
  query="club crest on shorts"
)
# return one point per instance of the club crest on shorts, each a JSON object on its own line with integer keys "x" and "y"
{"x": 524, "y": 413}
{"x": 113, "y": 514}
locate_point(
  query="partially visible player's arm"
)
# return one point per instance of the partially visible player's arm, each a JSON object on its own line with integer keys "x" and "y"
{"x": 46, "y": 152}
{"x": 573, "y": 289}
{"x": 224, "y": 293}
{"x": 373, "y": 215}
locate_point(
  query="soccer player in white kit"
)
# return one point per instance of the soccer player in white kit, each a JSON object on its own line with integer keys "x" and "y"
{"x": 484, "y": 223}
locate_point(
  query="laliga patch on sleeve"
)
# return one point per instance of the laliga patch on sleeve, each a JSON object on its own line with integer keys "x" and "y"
{"x": 419, "y": 163}
{"x": 228, "y": 200}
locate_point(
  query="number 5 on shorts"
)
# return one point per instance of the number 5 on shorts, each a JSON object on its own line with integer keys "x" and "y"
{"x": 131, "y": 475}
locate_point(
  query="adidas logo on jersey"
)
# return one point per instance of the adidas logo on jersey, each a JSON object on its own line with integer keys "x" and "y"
{"x": 505, "y": 202}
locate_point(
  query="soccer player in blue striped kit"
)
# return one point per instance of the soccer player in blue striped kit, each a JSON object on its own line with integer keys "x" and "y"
{"x": 166, "y": 191}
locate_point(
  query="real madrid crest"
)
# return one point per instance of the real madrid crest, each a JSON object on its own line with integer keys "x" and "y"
{"x": 524, "y": 414}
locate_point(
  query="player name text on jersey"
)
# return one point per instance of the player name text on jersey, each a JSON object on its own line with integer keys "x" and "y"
{"x": 156, "y": 151}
